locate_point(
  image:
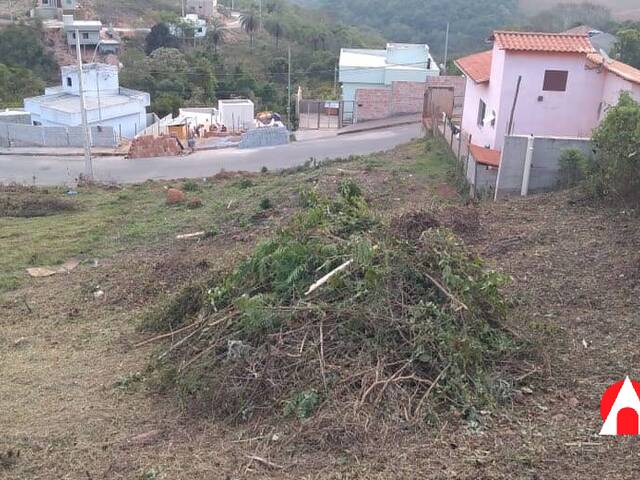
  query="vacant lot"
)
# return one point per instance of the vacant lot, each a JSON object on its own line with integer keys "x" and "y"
{"x": 77, "y": 400}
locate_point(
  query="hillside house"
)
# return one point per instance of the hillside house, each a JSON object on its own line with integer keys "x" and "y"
{"x": 89, "y": 31}
{"x": 191, "y": 21}
{"x": 202, "y": 8}
{"x": 399, "y": 62}
{"x": 53, "y": 9}
{"x": 106, "y": 103}
{"x": 541, "y": 84}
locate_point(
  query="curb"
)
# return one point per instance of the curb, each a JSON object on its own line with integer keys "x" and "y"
{"x": 379, "y": 127}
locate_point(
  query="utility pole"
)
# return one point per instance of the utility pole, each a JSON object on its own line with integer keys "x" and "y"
{"x": 183, "y": 8}
{"x": 446, "y": 48}
{"x": 260, "y": 15}
{"x": 11, "y": 10}
{"x": 289, "y": 92}
{"x": 335, "y": 81}
{"x": 88, "y": 165}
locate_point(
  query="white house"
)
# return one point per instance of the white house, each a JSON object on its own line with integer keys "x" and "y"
{"x": 236, "y": 114}
{"x": 190, "y": 20}
{"x": 399, "y": 62}
{"x": 106, "y": 103}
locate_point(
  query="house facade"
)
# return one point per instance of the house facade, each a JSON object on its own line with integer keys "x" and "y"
{"x": 202, "y": 8}
{"x": 541, "y": 84}
{"x": 106, "y": 103}
{"x": 399, "y": 62}
{"x": 53, "y": 9}
{"x": 89, "y": 30}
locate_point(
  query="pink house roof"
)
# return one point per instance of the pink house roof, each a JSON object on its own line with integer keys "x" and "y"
{"x": 543, "y": 42}
{"x": 476, "y": 66}
{"x": 614, "y": 66}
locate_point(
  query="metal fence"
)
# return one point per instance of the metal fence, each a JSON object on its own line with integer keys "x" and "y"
{"x": 325, "y": 114}
{"x": 481, "y": 178}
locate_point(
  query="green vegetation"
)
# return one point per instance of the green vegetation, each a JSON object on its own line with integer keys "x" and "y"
{"x": 409, "y": 303}
{"x": 249, "y": 62}
{"x": 615, "y": 172}
{"x": 627, "y": 48}
{"x": 425, "y": 21}
{"x": 572, "y": 165}
{"x": 24, "y": 64}
{"x": 42, "y": 227}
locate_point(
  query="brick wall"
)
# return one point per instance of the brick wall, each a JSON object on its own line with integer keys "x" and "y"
{"x": 400, "y": 98}
{"x": 373, "y": 103}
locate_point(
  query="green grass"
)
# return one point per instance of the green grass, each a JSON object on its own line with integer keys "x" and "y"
{"x": 108, "y": 221}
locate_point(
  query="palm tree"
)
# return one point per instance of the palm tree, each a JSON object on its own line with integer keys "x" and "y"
{"x": 249, "y": 24}
{"x": 216, "y": 34}
{"x": 275, "y": 28}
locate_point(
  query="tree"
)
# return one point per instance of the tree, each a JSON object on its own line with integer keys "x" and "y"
{"x": 216, "y": 34}
{"x": 627, "y": 48}
{"x": 249, "y": 24}
{"x": 20, "y": 45}
{"x": 615, "y": 173}
{"x": 275, "y": 28}
{"x": 17, "y": 83}
{"x": 159, "y": 37}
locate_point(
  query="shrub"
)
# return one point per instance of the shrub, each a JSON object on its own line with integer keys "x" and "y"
{"x": 266, "y": 204}
{"x": 190, "y": 186}
{"x": 572, "y": 166}
{"x": 615, "y": 171}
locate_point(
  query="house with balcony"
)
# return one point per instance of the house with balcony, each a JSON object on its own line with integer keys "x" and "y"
{"x": 106, "y": 103}
{"x": 540, "y": 84}
{"x": 89, "y": 31}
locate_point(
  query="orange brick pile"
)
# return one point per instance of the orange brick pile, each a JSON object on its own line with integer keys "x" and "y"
{"x": 150, "y": 146}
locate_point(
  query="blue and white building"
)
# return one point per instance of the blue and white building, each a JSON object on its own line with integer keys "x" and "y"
{"x": 107, "y": 104}
{"x": 399, "y": 62}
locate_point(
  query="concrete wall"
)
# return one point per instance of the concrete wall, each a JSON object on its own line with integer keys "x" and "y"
{"x": 13, "y": 135}
{"x": 545, "y": 164}
{"x": 265, "y": 137}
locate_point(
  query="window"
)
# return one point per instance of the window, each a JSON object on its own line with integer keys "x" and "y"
{"x": 69, "y": 82}
{"x": 555, "y": 80}
{"x": 482, "y": 110}
{"x": 85, "y": 35}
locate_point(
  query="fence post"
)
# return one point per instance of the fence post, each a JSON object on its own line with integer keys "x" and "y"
{"x": 451, "y": 142}
{"x": 526, "y": 174}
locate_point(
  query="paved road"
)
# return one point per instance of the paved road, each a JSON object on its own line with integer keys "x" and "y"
{"x": 61, "y": 170}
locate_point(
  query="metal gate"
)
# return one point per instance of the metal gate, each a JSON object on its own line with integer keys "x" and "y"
{"x": 324, "y": 114}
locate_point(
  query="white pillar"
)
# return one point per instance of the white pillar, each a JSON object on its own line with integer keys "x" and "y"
{"x": 526, "y": 174}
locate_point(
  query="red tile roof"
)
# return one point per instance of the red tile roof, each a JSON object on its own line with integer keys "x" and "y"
{"x": 542, "y": 42}
{"x": 476, "y": 66}
{"x": 616, "y": 67}
{"x": 485, "y": 156}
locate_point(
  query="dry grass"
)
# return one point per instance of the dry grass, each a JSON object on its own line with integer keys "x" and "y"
{"x": 72, "y": 404}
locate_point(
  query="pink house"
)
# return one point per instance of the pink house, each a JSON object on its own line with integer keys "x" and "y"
{"x": 541, "y": 84}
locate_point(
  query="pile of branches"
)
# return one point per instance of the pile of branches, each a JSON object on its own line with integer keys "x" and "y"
{"x": 341, "y": 309}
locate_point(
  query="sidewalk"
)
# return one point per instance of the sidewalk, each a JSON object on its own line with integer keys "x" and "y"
{"x": 382, "y": 123}
{"x": 62, "y": 152}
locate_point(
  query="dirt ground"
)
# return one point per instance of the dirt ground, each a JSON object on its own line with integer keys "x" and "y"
{"x": 74, "y": 403}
